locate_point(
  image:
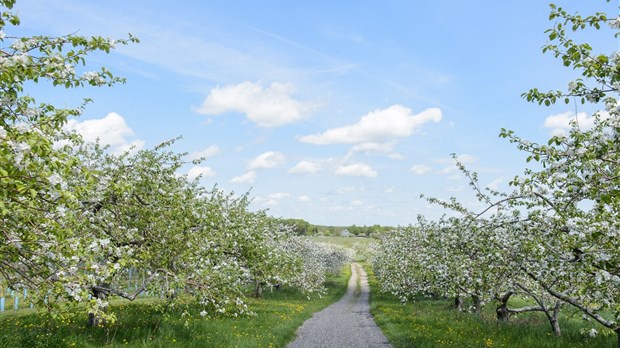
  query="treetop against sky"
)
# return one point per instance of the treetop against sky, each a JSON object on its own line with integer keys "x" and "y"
{"x": 337, "y": 113}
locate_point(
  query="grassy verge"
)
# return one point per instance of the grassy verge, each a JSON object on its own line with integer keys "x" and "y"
{"x": 142, "y": 324}
{"x": 434, "y": 323}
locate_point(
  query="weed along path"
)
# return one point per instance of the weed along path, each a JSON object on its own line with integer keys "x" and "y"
{"x": 346, "y": 323}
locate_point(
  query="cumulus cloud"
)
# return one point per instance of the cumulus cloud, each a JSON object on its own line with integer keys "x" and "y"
{"x": 111, "y": 130}
{"x": 304, "y": 198}
{"x": 194, "y": 172}
{"x": 356, "y": 169}
{"x": 305, "y": 167}
{"x": 272, "y": 199}
{"x": 380, "y": 148}
{"x": 397, "y": 121}
{"x": 267, "y": 106}
{"x": 247, "y": 178}
{"x": 279, "y": 195}
{"x": 206, "y": 153}
{"x": 266, "y": 160}
{"x": 420, "y": 169}
{"x": 349, "y": 189}
{"x": 560, "y": 124}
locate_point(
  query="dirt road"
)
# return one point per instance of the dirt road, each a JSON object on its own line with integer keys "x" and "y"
{"x": 346, "y": 323}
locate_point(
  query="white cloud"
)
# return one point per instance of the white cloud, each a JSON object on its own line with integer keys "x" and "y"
{"x": 349, "y": 189}
{"x": 305, "y": 167}
{"x": 247, "y": 178}
{"x": 206, "y": 153}
{"x": 494, "y": 185}
{"x": 135, "y": 145}
{"x": 380, "y": 148}
{"x": 356, "y": 169}
{"x": 304, "y": 198}
{"x": 356, "y": 203}
{"x": 272, "y": 199}
{"x": 279, "y": 195}
{"x": 111, "y": 130}
{"x": 337, "y": 208}
{"x": 266, "y": 160}
{"x": 389, "y": 189}
{"x": 560, "y": 124}
{"x": 270, "y": 106}
{"x": 194, "y": 172}
{"x": 420, "y": 169}
{"x": 396, "y": 121}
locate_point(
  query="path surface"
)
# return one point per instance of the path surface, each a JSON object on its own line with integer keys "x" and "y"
{"x": 346, "y": 323}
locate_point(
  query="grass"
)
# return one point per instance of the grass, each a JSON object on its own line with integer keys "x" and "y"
{"x": 434, "y": 323}
{"x": 142, "y": 324}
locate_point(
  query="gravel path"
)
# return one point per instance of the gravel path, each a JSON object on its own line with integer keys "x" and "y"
{"x": 346, "y": 323}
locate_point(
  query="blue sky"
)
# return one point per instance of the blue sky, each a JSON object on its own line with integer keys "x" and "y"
{"x": 338, "y": 113}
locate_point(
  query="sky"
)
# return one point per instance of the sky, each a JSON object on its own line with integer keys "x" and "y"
{"x": 335, "y": 112}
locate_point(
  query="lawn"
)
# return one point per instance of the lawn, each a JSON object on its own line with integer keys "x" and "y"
{"x": 144, "y": 323}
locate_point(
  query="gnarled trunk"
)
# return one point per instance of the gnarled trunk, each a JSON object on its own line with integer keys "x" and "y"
{"x": 502, "y": 311}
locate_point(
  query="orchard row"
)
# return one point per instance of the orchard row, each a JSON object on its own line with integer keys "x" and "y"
{"x": 554, "y": 238}
{"x": 75, "y": 217}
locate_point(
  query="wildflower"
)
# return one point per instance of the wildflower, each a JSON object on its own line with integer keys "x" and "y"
{"x": 592, "y": 333}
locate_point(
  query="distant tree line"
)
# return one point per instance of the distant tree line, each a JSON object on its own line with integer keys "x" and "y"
{"x": 301, "y": 227}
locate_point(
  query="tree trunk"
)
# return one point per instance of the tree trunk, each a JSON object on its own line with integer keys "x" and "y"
{"x": 258, "y": 289}
{"x": 458, "y": 302}
{"x": 553, "y": 318}
{"x": 476, "y": 300}
{"x": 503, "y": 314}
{"x": 93, "y": 319}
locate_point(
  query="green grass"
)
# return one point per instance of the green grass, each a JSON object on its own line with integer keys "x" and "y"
{"x": 142, "y": 324}
{"x": 434, "y": 323}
